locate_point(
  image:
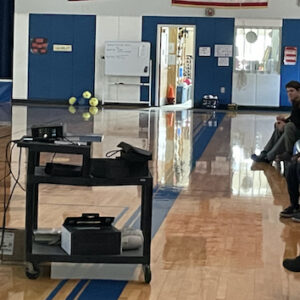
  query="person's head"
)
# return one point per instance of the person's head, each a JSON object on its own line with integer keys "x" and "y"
{"x": 293, "y": 90}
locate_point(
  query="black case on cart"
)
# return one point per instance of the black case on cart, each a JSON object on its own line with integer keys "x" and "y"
{"x": 90, "y": 234}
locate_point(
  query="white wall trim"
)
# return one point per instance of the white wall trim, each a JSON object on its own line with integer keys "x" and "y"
{"x": 20, "y": 56}
{"x": 259, "y": 22}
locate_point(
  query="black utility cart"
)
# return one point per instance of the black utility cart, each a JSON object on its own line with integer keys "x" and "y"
{"x": 36, "y": 174}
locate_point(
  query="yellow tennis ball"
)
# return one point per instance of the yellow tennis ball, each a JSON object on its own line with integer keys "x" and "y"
{"x": 86, "y": 116}
{"x": 93, "y": 110}
{"x": 93, "y": 101}
{"x": 87, "y": 95}
{"x": 72, "y": 109}
{"x": 72, "y": 100}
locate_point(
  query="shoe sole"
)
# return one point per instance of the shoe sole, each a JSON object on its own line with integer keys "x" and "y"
{"x": 286, "y": 216}
{"x": 292, "y": 215}
{"x": 296, "y": 220}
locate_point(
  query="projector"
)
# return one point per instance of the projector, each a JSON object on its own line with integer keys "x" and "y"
{"x": 46, "y": 132}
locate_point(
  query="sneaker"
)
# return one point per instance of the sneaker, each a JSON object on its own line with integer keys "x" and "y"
{"x": 296, "y": 217}
{"x": 290, "y": 212}
{"x": 285, "y": 156}
{"x": 292, "y": 264}
{"x": 260, "y": 158}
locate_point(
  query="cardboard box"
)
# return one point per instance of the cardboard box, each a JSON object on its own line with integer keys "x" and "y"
{"x": 14, "y": 245}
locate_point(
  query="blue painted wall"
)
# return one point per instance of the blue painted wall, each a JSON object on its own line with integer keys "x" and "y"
{"x": 209, "y": 78}
{"x": 290, "y": 37}
{"x": 5, "y": 91}
{"x": 60, "y": 75}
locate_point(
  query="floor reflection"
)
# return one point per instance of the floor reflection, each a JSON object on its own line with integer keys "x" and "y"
{"x": 168, "y": 134}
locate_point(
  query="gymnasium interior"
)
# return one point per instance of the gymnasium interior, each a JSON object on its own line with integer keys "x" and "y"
{"x": 127, "y": 129}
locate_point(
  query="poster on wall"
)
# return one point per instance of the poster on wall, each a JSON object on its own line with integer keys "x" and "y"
{"x": 38, "y": 45}
{"x": 204, "y": 51}
{"x": 223, "y": 61}
{"x": 290, "y": 55}
{"x": 223, "y": 3}
{"x": 223, "y": 50}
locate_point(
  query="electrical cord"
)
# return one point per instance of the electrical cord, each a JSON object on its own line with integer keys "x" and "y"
{"x": 53, "y": 157}
{"x": 6, "y": 202}
{"x": 8, "y": 162}
{"x": 67, "y": 140}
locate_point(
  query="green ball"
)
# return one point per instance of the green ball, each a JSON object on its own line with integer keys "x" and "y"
{"x": 93, "y": 102}
{"x": 86, "y": 116}
{"x": 72, "y": 100}
{"x": 93, "y": 110}
{"x": 86, "y": 95}
{"x": 72, "y": 109}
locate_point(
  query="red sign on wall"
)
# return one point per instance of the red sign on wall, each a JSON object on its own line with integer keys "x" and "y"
{"x": 290, "y": 55}
{"x": 38, "y": 45}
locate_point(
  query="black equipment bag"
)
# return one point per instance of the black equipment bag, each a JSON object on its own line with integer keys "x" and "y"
{"x": 134, "y": 154}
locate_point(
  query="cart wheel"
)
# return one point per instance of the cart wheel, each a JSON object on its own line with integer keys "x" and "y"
{"x": 147, "y": 273}
{"x": 32, "y": 271}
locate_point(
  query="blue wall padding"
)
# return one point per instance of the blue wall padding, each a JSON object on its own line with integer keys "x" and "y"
{"x": 209, "y": 78}
{"x": 60, "y": 75}
{"x": 290, "y": 37}
{"x": 5, "y": 91}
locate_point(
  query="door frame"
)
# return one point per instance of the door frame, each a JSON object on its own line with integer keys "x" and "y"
{"x": 158, "y": 58}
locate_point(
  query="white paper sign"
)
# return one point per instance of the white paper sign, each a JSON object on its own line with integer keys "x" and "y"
{"x": 62, "y": 48}
{"x": 172, "y": 60}
{"x": 171, "y": 48}
{"x": 223, "y": 61}
{"x": 223, "y": 50}
{"x": 204, "y": 51}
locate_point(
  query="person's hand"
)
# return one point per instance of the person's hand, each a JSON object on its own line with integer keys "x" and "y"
{"x": 281, "y": 118}
{"x": 280, "y": 125}
{"x": 296, "y": 157}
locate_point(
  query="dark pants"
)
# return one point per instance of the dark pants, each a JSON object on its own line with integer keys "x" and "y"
{"x": 282, "y": 141}
{"x": 293, "y": 180}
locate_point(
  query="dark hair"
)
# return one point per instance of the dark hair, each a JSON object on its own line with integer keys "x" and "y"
{"x": 293, "y": 84}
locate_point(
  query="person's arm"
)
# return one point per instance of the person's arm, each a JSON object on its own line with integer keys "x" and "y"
{"x": 283, "y": 118}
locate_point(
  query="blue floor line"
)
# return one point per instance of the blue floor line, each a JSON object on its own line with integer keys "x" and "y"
{"x": 133, "y": 216}
{"x": 77, "y": 289}
{"x": 121, "y": 215}
{"x": 103, "y": 289}
{"x": 57, "y": 289}
{"x": 163, "y": 199}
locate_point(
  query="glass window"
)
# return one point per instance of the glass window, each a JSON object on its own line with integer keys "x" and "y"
{"x": 257, "y": 50}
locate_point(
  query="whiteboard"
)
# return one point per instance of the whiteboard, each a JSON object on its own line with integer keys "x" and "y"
{"x": 127, "y": 58}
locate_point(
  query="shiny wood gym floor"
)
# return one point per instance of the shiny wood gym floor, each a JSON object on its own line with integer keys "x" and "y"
{"x": 221, "y": 239}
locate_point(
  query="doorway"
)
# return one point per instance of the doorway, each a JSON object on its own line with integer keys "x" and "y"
{"x": 175, "y": 65}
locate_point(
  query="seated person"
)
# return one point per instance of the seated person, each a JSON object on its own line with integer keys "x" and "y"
{"x": 286, "y": 130}
{"x": 293, "y": 180}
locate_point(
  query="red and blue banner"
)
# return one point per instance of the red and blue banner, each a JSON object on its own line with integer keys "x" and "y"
{"x": 223, "y": 3}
